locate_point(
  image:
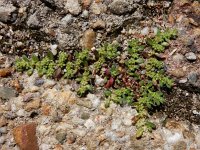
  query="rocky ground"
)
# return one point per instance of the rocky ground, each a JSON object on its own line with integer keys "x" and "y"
{"x": 39, "y": 113}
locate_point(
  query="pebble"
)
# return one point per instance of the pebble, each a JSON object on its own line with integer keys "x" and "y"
{"x": 87, "y": 104}
{"x": 49, "y": 83}
{"x": 191, "y": 56}
{"x": 192, "y": 77}
{"x": 7, "y": 93}
{"x": 35, "y": 104}
{"x": 120, "y": 7}
{"x": 85, "y": 116}
{"x": 127, "y": 122}
{"x": 89, "y": 124}
{"x": 85, "y": 14}
{"x": 43, "y": 129}
{"x": 28, "y": 97}
{"x": 5, "y": 12}
{"x": 71, "y": 139}
{"x": 94, "y": 99}
{"x": 99, "y": 81}
{"x": 73, "y": 7}
{"x": 98, "y": 8}
{"x": 181, "y": 145}
{"x": 116, "y": 124}
{"x": 53, "y": 48}
{"x": 61, "y": 136}
{"x": 10, "y": 115}
{"x": 79, "y": 132}
{"x": 33, "y": 21}
{"x": 184, "y": 80}
{"x": 99, "y": 24}
{"x": 3, "y": 121}
{"x": 3, "y": 130}
{"x": 25, "y": 136}
{"x": 2, "y": 139}
{"x": 38, "y": 82}
{"x": 55, "y": 116}
{"x": 66, "y": 20}
{"x": 88, "y": 39}
{"x": 178, "y": 58}
{"x": 5, "y": 72}
{"x": 145, "y": 31}
{"x": 44, "y": 146}
{"x": 21, "y": 113}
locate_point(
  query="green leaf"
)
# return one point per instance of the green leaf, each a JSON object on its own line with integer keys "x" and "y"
{"x": 139, "y": 132}
{"x": 50, "y": 55}
{"x": 150, "y": 126}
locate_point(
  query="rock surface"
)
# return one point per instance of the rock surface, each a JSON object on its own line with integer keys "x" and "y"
{"x": 65, "y": 121}
{"x": 25, "y": 136}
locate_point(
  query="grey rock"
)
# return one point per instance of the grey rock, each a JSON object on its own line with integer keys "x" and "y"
{"x": 85, "y": 14}
{"x": 33, "y": 21}
{"x": 192, "y": 77}
{"x": 183, "y": 81}
{"x": 56, "y": 117}
{"x": 6, "y": 13}
{"x": 116, "y": 124}
{"x": 178, "y": 58}
{"x": 38, "y": 82}
{"x": 73, "y": 7}
{"x": 89, "y": 124}
{"x": 28, "y": 97}
{"x": 79, "y": 132}
{"x": 98, "y": 8}
{"x": 7, "y": 93}
{"x": 87, "y": 104}
{"x": 145, "y": 31}
{"x": 10, "y": 115}
{"x": 66, "y": 20}
{"x": 21, "y": 113}
{"x": 191, "y": 56}
{"x": 181, "y": 145}
{"x": 3, "y": 130}
{"x": 61, "y": 136}
{"x": 99, "y": 24}
{"x": 2, "y": 139}
{"x": 85, "y": 116}
{"x": 121, "y": 7}
{"x": 99, "y": 81}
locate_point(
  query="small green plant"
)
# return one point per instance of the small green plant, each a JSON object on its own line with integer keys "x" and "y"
{"x": 121, "y": 96}
{"x": 46, "y": 67}
{"x": 138, "y": 81}
{"x": 22, "y": 64}
{"x": 62, "y": 59}
{"x": 85, "y": 86}
{"x": 160, "y": 41}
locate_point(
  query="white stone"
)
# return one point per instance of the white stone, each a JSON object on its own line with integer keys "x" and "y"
{"x": 45, "y": 146}
{"x": 44, "y": 129}
{"x": 116, "y": 124}
{"x": 94, "y": 99}
{"x": 79, "y": 132}
{"x": 21, "y": 113}
{"x": 89, "y": 124}
{"x": 66, "y": 20}
{"x": 99, "y": 81}
{"x": 54, "y": 49}
{"x": 171, "y": 137}
{"x": 2, "y": 139}
{"x": 145, "y": 31}
{"x": 127, "y": 122}
{"x": 73, "y": 7}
